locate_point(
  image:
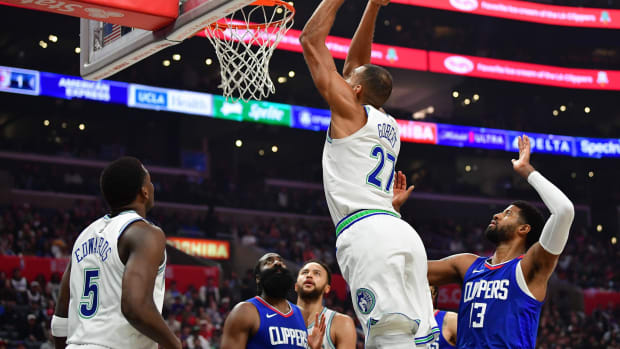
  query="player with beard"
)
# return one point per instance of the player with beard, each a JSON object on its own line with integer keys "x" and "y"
{"x": 269, "y": 320}
{"x": 313, "y": 282}
{"x": 502, "y": 295}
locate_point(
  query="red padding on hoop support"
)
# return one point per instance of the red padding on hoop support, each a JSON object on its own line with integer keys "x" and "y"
{"x": 143, "y": 14}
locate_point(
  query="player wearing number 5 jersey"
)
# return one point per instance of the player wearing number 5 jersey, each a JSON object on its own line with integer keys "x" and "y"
{"x": 501, "y": 295}
{"x": 112, "y": 292}
{"x": 382, "y": 258}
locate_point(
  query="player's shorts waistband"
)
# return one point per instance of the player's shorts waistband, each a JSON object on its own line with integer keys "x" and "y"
{"x": 357, "y": 216}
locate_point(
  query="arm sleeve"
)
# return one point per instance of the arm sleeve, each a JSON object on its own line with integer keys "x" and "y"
{"x": 555, "y": 232}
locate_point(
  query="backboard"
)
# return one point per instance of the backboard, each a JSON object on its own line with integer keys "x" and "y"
{"x": 107, "y": 48}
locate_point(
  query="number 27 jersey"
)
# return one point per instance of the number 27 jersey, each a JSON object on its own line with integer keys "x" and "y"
{"x": 358, "y": 170}
{"x": 495, "y": 310}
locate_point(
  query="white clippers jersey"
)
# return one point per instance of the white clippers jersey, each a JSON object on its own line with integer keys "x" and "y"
{"x": 358, "y": 170}
{"x": 95, "y": 317}
{"x": 329, "y": 318}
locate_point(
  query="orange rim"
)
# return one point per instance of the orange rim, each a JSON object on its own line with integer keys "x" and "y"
{"x": 288, "y": 6}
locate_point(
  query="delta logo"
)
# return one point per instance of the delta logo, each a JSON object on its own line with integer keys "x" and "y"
{"x": 464, "y": 5}
{"x": 605, "y": 17}
{"x": 459, "y": 64}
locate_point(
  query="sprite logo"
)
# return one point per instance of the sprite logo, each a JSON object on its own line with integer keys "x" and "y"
{"x": 392, "y": 56}
{"x": 605, "y": 18}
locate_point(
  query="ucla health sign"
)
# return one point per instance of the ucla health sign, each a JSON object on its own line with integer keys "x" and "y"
{"x": 147, "y": 97}
{"x": 70, "y": 87}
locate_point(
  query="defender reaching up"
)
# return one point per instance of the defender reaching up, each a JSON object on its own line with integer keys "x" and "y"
{"x": 502, "y": 295}
{"x": 382, "y": 258}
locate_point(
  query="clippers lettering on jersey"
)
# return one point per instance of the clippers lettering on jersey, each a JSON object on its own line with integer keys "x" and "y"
{"x": 98, "y": 246}
{"x": 288, "y": 336}
{"x": 483, "y": 289}
{"x": 388, "y": 132}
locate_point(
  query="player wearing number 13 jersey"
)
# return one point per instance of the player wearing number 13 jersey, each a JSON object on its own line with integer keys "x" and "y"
{"x": 501, "y": 295}
{"x": 112, "y": 293}
{"x": 382, "y": 258}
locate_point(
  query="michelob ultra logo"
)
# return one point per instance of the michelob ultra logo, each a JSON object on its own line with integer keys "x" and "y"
{"x": 212, "y": 249}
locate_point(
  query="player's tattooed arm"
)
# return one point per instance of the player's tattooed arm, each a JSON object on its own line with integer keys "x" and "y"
{"x": 242, "y": 322}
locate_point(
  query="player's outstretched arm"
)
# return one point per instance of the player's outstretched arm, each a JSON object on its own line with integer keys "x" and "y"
{"x": 334, "y": 89}
{"x": 540, "y": 260}
{"x": 242, "y": 321}
{"x": 361, "y": 44}
{"x": 449, "y": 270}
{"x": 344, "y": 332}
{"x": 61, "y": 313}
{"x": 145, "y": 246}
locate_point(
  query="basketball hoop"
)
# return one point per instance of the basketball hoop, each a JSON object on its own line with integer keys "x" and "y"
{"x": 244, "y": 42}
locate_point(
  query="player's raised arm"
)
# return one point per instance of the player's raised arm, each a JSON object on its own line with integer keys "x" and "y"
{"x": 60, "y": 320}
{"x": 144, "y": 247}
{"x": 334, "y": 89}
{"x": 360, "y": 49}
{"x": 540, "y": 260}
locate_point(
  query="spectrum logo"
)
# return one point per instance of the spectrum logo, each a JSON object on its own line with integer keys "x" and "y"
{"x": 459, "y": 64}
{"x": 464, "y": 5}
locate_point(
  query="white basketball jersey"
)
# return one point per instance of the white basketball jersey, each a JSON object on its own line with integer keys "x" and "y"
{"x": 358, "y": 170}
{"x": 95, "y": 317}
{"x": 329, "y": 318}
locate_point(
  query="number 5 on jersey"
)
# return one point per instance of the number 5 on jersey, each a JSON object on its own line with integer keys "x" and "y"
{"x": 374, "y": 177}
{"x": 90, "y": 296}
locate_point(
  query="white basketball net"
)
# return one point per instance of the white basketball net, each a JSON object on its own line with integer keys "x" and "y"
{"x": 244, "y": 52}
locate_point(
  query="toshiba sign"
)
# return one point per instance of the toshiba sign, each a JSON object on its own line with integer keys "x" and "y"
{"x": 417, "y": 132}
{"x": 212, "y": 249}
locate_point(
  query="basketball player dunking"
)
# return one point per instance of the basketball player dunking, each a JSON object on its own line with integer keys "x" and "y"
{"x": 112, "y": 292}
{"x": 382, "y": 258}
{"x": 313, "y": 282}
{"x": 502, "y": 295}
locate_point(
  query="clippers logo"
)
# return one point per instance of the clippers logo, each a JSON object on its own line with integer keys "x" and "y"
{"x": 5, "y": 78}
{"x": 464, "y": 5}
{"x": 99, "y": 13}
{"x": 459, "y": 64}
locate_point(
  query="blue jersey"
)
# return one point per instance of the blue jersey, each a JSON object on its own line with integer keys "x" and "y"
{"x": 494, "y": 311}
{"x": 440, "y": 342}
{"x": 278, "y": 330}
